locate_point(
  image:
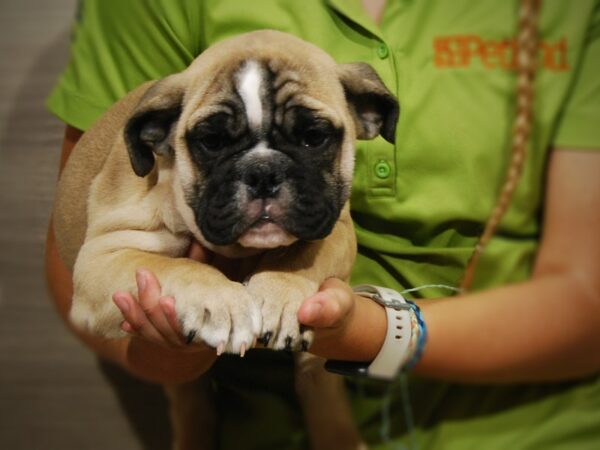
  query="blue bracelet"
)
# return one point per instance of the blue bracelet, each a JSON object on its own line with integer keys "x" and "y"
{"x": 422, "y": 339}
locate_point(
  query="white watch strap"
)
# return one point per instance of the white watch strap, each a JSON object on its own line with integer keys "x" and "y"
{"x": 394, "y": 351}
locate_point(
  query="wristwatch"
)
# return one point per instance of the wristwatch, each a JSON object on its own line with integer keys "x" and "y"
{"x": 395, "y": 351}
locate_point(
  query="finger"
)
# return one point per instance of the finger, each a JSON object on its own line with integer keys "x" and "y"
{"x": 166, "y": 321}
{"x": 329, "y": 307}
{"x": 127, "y": 328}
{"x": 149, "y": 289}
{"x": 149, "y": 299}
{"x": 136, "y": 318}
{"x": 168, "y": 307}
{"x": 164, "y": 325}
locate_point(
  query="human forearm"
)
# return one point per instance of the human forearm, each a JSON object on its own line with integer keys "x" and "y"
{"x": 547, "y": 328}
{"x": 544, "y": 329}
{"x": 158, "y": 364}
{"x": 347, "y": 326}
{"x": 149, "y": 361}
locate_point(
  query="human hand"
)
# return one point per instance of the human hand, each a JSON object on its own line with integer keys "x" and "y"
{"x": 347, "y": 326}
{"x": 152, "y": 316}
{"x": 330, "y": 309}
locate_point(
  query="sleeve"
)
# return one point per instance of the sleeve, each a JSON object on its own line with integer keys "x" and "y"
{"x": 579, "y": 125}
{"x": 117, "y": 45}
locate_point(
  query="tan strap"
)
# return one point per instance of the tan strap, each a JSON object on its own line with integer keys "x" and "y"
{"x": 527, "y": 51}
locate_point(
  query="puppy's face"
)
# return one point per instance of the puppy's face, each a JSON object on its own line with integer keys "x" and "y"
{"x": 261, "y": 128}
{"x": 268, "y": 155}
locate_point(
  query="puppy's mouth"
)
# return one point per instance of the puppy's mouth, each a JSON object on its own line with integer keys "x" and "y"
{"x": 266, "y": 231}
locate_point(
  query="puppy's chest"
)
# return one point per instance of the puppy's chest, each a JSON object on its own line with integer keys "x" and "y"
{"x": 239, "y": 269}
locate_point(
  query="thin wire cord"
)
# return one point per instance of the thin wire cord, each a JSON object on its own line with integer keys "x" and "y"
{"x": 408, "y": 414}
{"x": 527, "y": 46}
{"x": 433, "y": 286}
{"x": 386, "y": 421}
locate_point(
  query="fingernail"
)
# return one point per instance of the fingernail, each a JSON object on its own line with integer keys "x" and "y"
{"x": 126, "y": 327}
{"x": 121, "y": 302}
{"x": 140, "y": 277}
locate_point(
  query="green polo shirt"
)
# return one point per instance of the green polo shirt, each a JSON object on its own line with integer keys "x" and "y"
{"x": 419, "y": 205}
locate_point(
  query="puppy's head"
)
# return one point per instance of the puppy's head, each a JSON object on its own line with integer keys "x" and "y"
{"x": 261, "y": 128}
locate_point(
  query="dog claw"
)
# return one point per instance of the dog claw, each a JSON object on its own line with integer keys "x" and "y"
{"x": 304, "y": 345}
{"x": 190, "y": 337}
{"x": 288, "y": 344}
{"x": 220, "y": 348}
{"x": 265, "y": 338}
{"x": 243, "y": 350}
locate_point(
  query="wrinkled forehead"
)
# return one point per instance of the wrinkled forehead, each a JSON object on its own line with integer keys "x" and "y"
{"x": 262, "y": 82}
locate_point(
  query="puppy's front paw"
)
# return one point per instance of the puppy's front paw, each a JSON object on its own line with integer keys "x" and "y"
{"x": 225, "y": 318}
{"x": 279, "y": 296}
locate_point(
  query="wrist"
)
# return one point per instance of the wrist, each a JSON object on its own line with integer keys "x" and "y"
{"x": 349, "y": 341}
{"x": 405, "y": 337}
{"x": 372, "y": 332}
{"x": 159, "y": 364}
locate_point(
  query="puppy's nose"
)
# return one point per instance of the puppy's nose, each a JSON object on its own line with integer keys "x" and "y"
{"x": 263, "y": 181}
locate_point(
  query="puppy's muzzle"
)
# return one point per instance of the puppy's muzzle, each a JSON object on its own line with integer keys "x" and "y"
{"x": 263, "y": 181}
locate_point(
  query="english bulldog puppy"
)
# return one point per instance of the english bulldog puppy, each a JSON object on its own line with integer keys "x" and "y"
{"x": 250, "y": 151}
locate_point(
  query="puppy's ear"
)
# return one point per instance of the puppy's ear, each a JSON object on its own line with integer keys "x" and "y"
{"x": 149, "y": 130}
{"x": 374, "y": 109}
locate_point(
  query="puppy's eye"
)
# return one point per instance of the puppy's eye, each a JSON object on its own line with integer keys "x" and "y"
{"x": 314, "y": 138}
{"x": 212, "y": 142}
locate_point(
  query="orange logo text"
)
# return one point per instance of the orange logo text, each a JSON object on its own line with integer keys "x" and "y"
{"x": 462, "y": 50}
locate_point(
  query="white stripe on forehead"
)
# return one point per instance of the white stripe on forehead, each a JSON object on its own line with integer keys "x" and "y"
{"x": 249, "y": 80}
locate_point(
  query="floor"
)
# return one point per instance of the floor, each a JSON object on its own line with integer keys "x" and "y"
{"x": 53, "y": 392}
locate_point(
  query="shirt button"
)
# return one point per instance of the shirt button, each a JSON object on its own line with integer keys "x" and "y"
{"x": 383, "y": 51}
{"x": 382, "y": 169}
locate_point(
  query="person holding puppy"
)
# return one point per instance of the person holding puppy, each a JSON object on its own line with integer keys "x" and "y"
{"x": 515, "y": 359}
